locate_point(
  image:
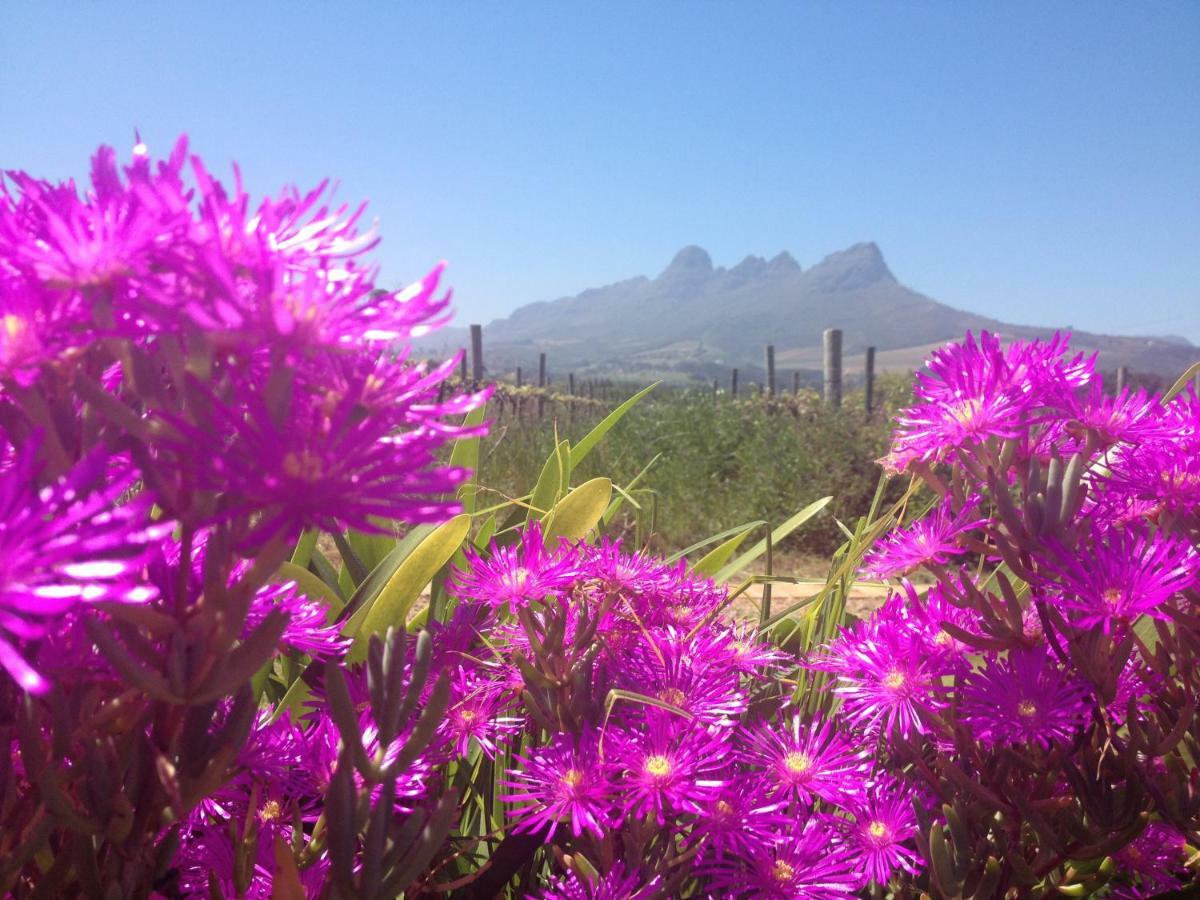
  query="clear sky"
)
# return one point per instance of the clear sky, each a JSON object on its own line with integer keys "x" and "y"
{"x": 1039, "y": 162}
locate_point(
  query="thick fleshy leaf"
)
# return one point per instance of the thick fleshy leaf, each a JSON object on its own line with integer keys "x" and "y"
{"x": 579, "y": 512}
{"x": 776, "y": 537}
{"x": 410, "y": 578}
{"x": 550, "y": 484}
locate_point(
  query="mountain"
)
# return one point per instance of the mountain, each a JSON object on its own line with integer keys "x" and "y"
{"x": 697, "y": 319}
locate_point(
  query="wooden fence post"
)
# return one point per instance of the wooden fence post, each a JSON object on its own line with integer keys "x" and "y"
{"x": 869, "y": 379}
{"x": 462, "y": 366}
{"x": 796, "y": 383}
{"x": 541, "y": 384}
{"x": 477, "y": 355}
{"x": 571, "y": 384}
{"x": 833, "y": 367}
{"x": 733, "y": 385}
{"x": 770, "y": 371}
{"x": 1122, "y": 377}
{"x": 520, "y": 380}
{"x": 716, "y": 389}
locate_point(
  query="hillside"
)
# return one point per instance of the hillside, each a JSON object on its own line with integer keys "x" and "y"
{"x": 697, "y": 319}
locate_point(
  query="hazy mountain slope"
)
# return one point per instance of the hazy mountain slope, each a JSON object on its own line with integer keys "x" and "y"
{"x": 694, "y": 318}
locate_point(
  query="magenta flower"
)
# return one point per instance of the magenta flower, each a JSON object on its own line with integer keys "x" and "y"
{"x": 1024, "y": 699}
{"x": 665, "y": 666}
{"x": 515, "y": 575}
{"x": 65, "y": 545}
{"x": 615, "y": 884}
{"x": 977, "y": 390}
{"x": 1154, "y": 476}
{"x": 476, "y": 714}
{"x": 884, "y": 679}
{"x": 1124, "y": 574}
{"x": 683, "y": 600}
{"x": 966, "y": 395}
{"x": 324, "y": 463}
{"x": 667, "y": 767}
{"x": 287, "y": 273}
{"x": 564, "y": 782}
{"x": 928, "y": 541}
{"x": 737, "y": 648}
{"x": 811, "y": 862}
{"x": 309, "y": 629}
{"x": 116, "y": 232}
{"x": 810, "y": 759}
{"x": 1128, "y": 417}
{"x": 742, "y": 821}
{"x": 38, "y": 326}
{"x": 883, "y": 821}
{"x": 1157, "y": 857}
{"x": 623, "y": 573}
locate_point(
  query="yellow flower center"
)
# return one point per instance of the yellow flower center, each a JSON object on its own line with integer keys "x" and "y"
{"x": 657, "y": 766}
{"x": 724, "y": 809}
{"x": 13, "y": 326}
{"x": 270, "y": 811}
{"x": 519, "y": 579}
{"x": 572, "y": 778}
{"x": 680, "y": 613}
{"x": 966, "y": 412}
{"x": 878, "y": 830}
{"x": 467, "y": 715}
{"x": 1027, "y": 709}
{"x": 674, "y": 696}
{"x": 1179, "y": 479}
{"x": 782, "y": 872}
{"x": 797, "y": 763}
{"x": 1112, "y": 597}
{"x": 303, "y": 466}
{"x": 894, "y": 680}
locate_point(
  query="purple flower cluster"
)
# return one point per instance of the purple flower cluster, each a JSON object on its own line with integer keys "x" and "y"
{"x": 652, "y": 722}
{"x": 1044, "y": 682}
{"x": 189, "y": 380}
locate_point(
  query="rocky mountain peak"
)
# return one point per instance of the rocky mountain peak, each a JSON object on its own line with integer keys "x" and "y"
{"x": 855, "y": 267}
{"x": 690, "y": 262}
{"x": 783, "y": 264}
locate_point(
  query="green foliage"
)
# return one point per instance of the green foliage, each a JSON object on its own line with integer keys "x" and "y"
{"x": 719, "y": 463}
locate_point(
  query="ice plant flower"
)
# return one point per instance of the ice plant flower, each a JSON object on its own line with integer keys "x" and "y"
{"x": 1156, "y": 857}
{"x": 666, "y": 767}
{"x": 563, "y": 782}
{"x": 1127, "y": 573}
{"x": 810, "y": 863}
{"x": 742, "y": 821}
{"x": 883, "y": 821}
{"x": 514, "y": 576}
{"x": 928, "y": 541}
{"x": 1024, "y": 699}
{"x": 477, "y": 713}
{"x": 883, "y": 678}
{"x": 663, "y": 665}
{"x": 810, "y": 759}
{"x": 321, "y": 463}
{"x": 309, "y": 629}
{"x": 65, "y": 545}
{"x": 616, "y": 884}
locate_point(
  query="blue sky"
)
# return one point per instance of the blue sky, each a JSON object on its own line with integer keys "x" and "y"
{"x": 1036, "y": 162}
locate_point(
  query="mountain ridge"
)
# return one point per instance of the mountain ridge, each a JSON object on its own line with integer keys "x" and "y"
{"x": 696, "y": 319}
